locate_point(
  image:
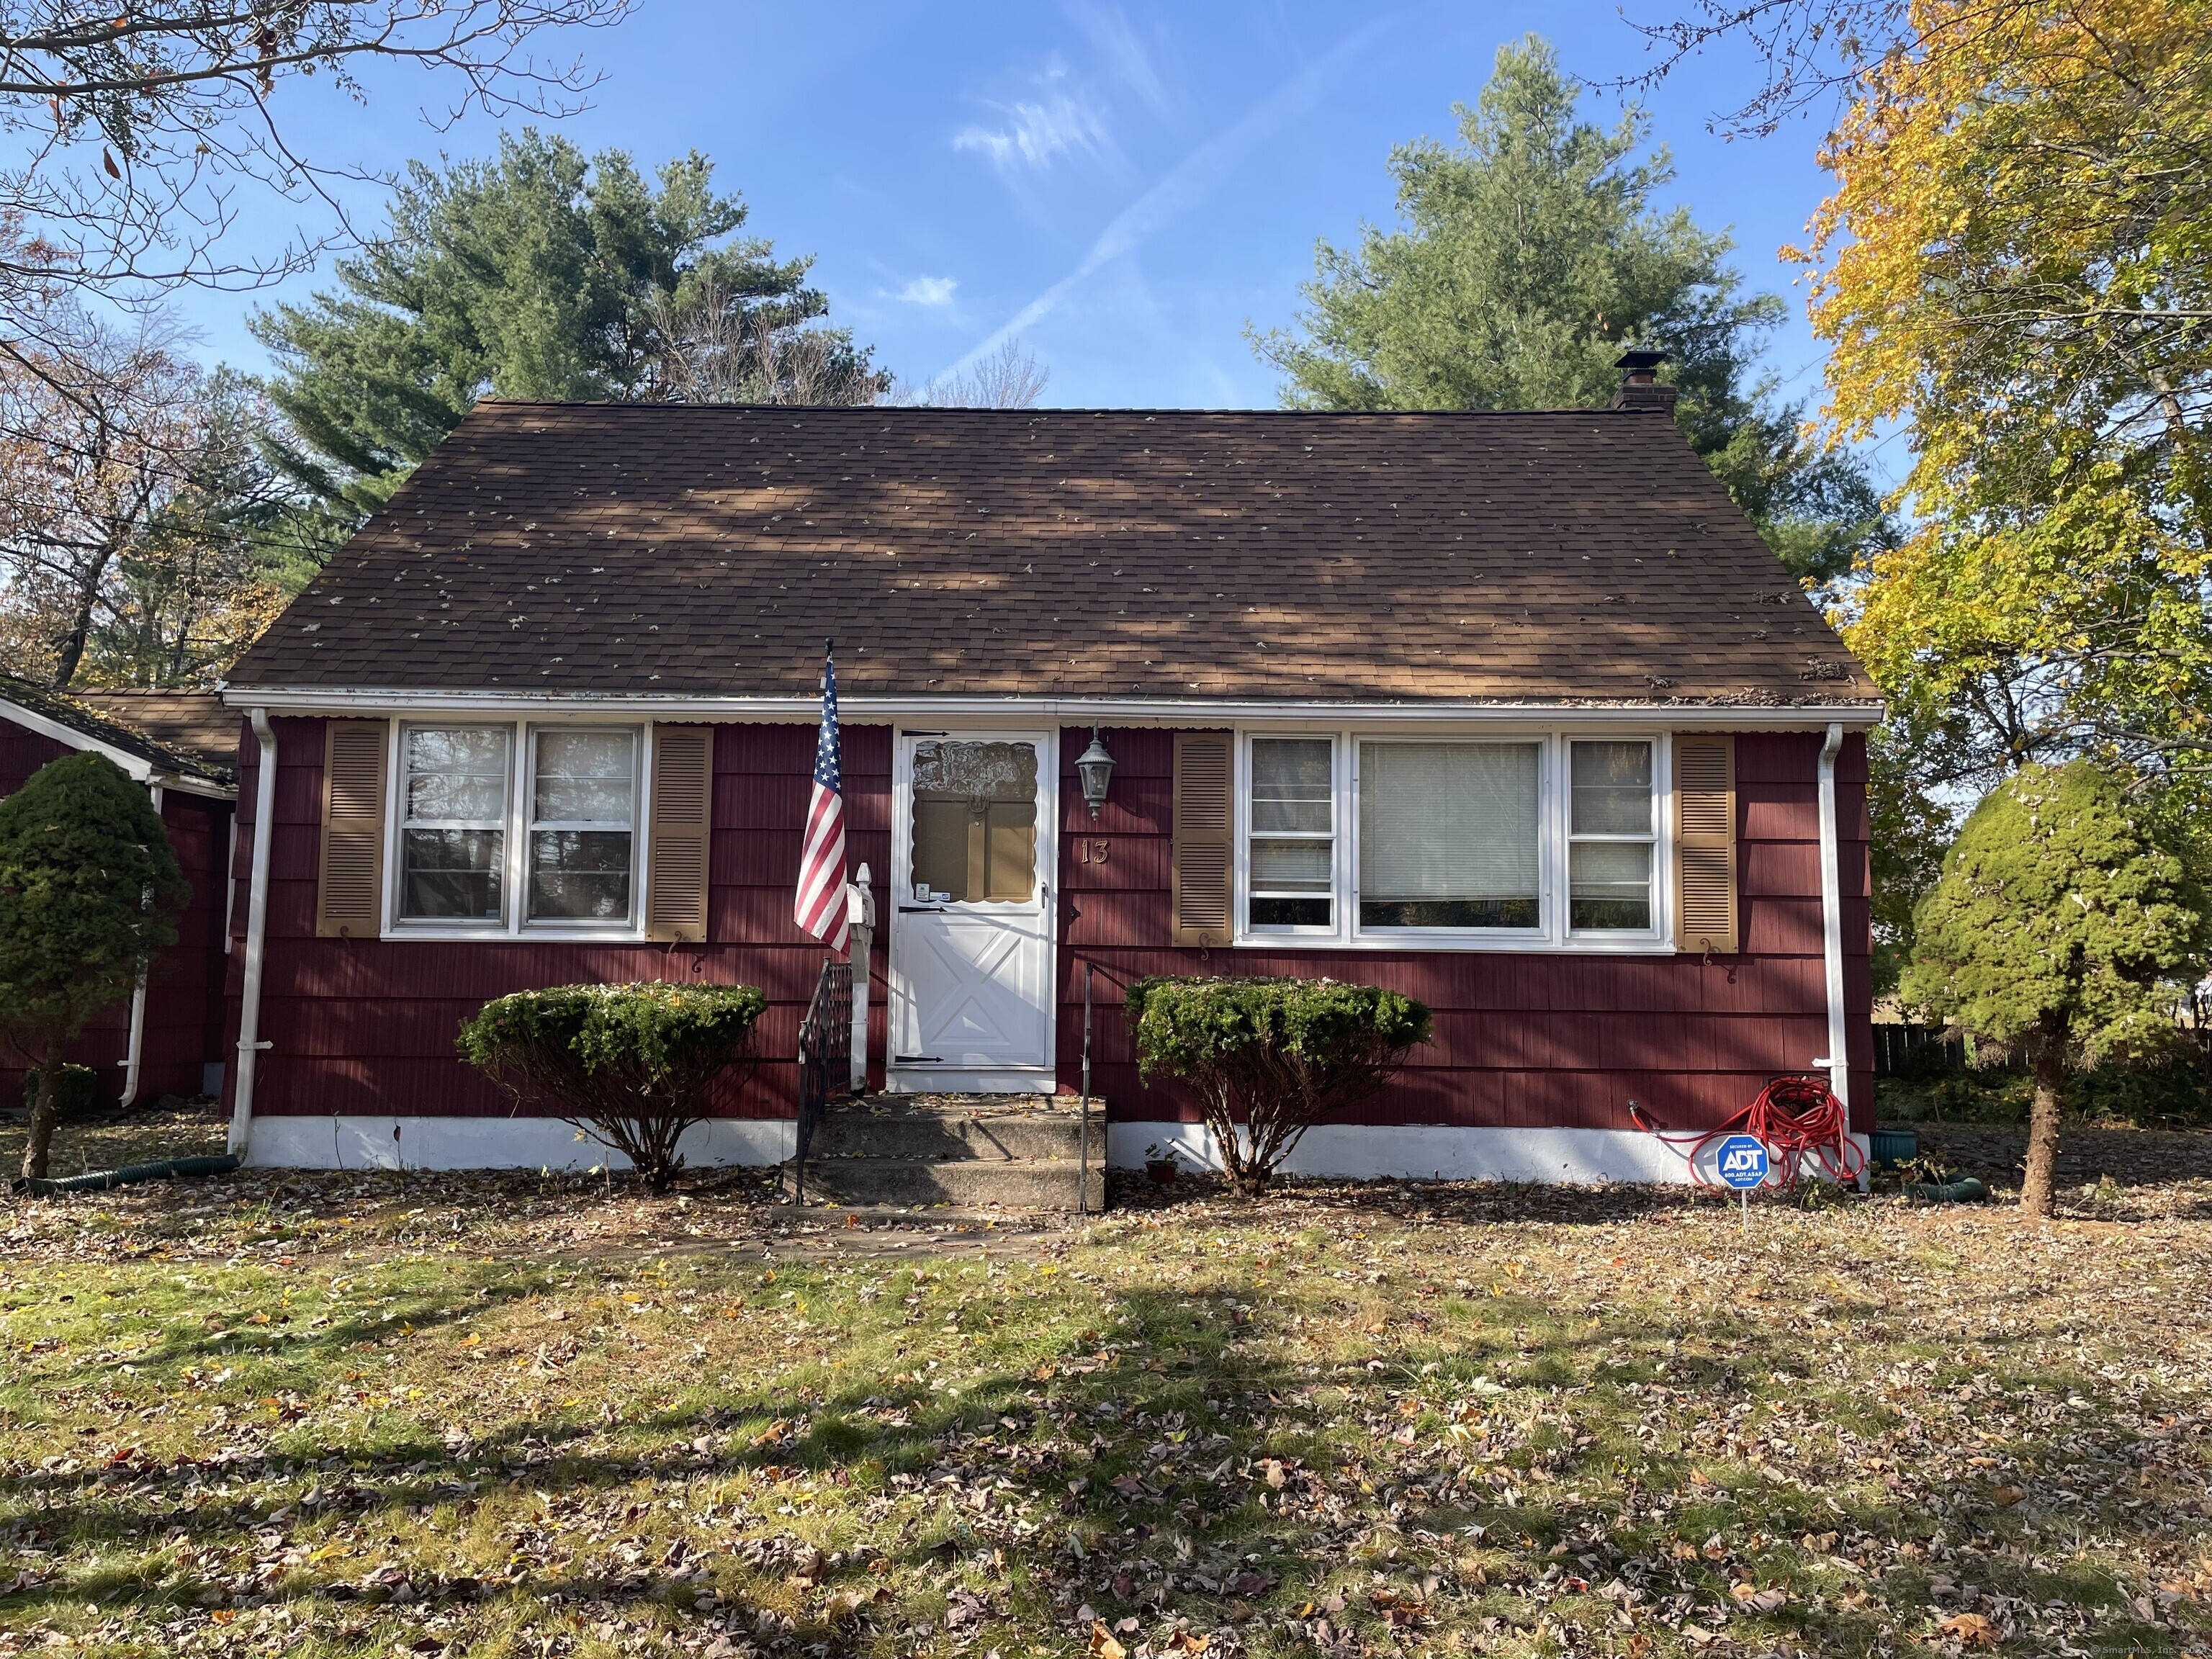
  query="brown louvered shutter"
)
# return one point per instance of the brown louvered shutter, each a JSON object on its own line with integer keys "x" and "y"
{"x": 1704, "y": 844}
{"x": 349, "y": 886}
{"x": 1200, "y": 864}
{"x": 681, "y": 834}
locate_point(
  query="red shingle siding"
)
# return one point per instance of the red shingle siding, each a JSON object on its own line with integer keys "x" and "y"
{"x": 366, "y": 1026}
{"x": 1550, "y": 1039}
{"x": 1558, "y": 1039}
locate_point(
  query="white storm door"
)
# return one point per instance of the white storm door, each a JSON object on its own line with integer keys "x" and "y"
{"x": 972, "y": 912}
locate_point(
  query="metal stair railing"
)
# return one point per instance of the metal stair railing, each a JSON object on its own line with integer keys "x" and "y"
{"x": 825, "y": 1061}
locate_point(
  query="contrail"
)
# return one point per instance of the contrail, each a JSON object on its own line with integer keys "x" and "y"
{"x": 1186, "y": 184}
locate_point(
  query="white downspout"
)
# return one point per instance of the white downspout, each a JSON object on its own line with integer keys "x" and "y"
{"x": 138, "y": 1005}
{"x": 257, "y": 927}
{"x": 1837, "y": 1061}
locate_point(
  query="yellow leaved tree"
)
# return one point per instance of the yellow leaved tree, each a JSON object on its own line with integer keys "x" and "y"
{"x": 2015, "y": 269}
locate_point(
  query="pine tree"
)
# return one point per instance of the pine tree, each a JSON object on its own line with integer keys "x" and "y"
{"x": 539, "y": 273}
{"x": 1526, "y": 258}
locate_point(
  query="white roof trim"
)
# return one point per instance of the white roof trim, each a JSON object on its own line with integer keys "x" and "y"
{"x": 1073, "y": 711}
{"x": 136, "y": 767}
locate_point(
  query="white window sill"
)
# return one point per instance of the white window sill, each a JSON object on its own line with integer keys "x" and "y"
{"x": 625, "y": 935}
{"x": 1645, "y": 945}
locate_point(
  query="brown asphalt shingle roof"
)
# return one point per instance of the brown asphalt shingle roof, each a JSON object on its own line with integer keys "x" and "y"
{"x": 174, "y": 730}
{"x": 709, "y": 550}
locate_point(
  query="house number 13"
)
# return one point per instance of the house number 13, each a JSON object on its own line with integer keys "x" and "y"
{"x": 1092, "y": 851}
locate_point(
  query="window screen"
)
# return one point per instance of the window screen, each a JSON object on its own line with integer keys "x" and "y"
{"x": 1292, "y": 832}
{"x": 583, "y": 804}
{"x": 1612, "y": 836}
{"x": 452, "y": 835}
{"x": 1448, "y": 836}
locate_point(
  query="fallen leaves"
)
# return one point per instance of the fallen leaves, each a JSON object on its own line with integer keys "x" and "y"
{"x": 1972, "y": 1629}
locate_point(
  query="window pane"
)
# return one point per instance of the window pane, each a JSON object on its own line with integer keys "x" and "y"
{"x": 1297, "y": 866}
{"x": 1448, "y": 835}
{"x": 584, "y": 777}
{"x": 1291, "y": 784}
{"x": 1292, "y": 913}
{"x": 580, "y": 875}
{"x": 1609, "y": 884}
{"x": 449, "y": 875}
{"x": 1613, "y": 789}
{"x": 456, "y": 775}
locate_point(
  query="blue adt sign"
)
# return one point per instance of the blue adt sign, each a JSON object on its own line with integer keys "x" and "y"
{"x": 1743, "y": 1162}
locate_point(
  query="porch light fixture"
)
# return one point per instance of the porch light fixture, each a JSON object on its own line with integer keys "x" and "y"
{"x": 1097, "y": 768}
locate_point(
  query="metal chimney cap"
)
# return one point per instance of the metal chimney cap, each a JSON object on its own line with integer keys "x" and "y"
{"x": 1639, "y": 363}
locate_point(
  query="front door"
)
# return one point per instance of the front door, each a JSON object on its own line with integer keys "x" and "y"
{"x": 972, "y": 922}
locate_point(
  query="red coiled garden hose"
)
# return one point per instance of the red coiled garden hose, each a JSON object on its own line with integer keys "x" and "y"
{"x": 1794, "y": 1117}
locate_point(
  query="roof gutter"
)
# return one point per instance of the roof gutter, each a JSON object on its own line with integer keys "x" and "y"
{"x": 1076, "y": 711}
{"x": 257, "y": 930}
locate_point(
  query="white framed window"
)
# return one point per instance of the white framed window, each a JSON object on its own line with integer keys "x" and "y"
{"x": 1612, "y": 835}
{"x": 1421, "y": 839}
{"x": 1290, "y": 849}
{"x": 1450, "y": 836}
{"x": 453, "y": 790}
{"x": 583, "y": 818}
{"x": 502, "y": 830}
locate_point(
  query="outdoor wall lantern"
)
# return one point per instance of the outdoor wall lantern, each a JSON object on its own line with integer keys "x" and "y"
{"x": 1097, "y": 767}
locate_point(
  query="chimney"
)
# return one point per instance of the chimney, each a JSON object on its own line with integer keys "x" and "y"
{"x": 1639, "y": 382}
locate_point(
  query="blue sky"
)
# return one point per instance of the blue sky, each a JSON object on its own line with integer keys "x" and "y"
{"x": 1124, "y": 186}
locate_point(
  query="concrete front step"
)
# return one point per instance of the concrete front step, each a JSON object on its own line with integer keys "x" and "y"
{"x": 1015, "y": 1150}
{"x": 1007, "y": 1184}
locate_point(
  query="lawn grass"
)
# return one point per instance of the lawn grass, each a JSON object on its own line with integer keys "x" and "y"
{"x": 360, "y": 1413}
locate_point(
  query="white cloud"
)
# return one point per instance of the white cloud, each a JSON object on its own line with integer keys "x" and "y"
{"x": 1115, "y": 43}
{"x": 929, "y": 291}
{"x": 1038, "y": 133}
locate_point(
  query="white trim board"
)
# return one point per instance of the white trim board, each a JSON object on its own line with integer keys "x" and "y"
{"x": 864, "y": 710}
{"x": 368, "y": 1142}
{"x": 1435, "y": 1152}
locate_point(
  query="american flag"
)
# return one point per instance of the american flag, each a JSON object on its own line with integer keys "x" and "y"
{"x": 820, "y": 906}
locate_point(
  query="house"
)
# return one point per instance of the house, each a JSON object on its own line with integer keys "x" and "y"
{"x": 1513, "y": 712}
{"x": 168, "y": 1038}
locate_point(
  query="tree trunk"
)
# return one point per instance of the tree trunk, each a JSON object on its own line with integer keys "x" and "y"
{"x": 44, "y": 1110}
{"x": 2036, "y": 1188}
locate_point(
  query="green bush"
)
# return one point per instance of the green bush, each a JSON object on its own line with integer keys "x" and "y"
{"x": 89, "y": 891}
{"x": 632, "y": 1065}
{"x": 2061, "y": 929}
{"x": 1270, "y": 1057}
{"x": 78, "y": 1093}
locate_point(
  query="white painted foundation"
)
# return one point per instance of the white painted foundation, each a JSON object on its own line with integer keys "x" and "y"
{"x": 1412, "y": 1151}
{"x": 1439, "y": 1152}
{"x": 490, "y": 1142}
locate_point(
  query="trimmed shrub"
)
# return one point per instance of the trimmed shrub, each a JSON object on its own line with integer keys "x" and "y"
{"x": 631, "y": 1065}
{"x": 89, "y": 892}
{"x": 1270, "y": 1057}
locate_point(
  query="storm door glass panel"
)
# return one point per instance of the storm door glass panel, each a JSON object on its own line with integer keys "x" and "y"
{"x": 452, "y": 829}
{"x": 1291, "y": 850}
{"x": 583, "y": 804}
{"x": 1611, "y": 837}
{"x": 975, "y": 822}
{"x": 1448, "y": 836}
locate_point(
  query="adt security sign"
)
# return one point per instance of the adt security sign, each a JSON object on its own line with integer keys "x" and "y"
{"x": 1742, "y": 1163}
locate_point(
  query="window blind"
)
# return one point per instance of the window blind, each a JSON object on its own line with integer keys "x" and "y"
{"x": 1447, "y": 821}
